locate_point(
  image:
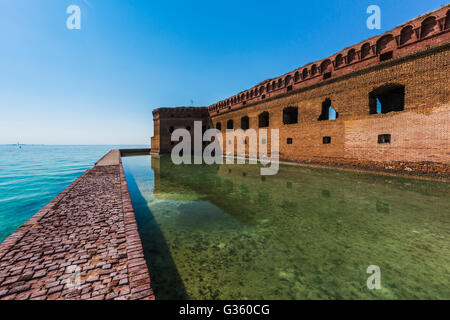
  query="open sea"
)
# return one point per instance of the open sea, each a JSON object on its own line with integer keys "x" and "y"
{"x": 32, "y": 175}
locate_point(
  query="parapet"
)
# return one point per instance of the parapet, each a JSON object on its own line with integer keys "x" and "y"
{"x": 419, "y": 34}
{"x": 180, "y": 112}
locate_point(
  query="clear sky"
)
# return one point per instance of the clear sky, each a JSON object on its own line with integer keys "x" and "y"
{"x": 99, "y": 85}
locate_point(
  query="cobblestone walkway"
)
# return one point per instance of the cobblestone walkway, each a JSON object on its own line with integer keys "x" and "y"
{"x": 83, "y": 245}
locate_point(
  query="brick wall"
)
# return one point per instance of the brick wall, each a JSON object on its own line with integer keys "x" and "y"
{"x": 419, "y": 133}
{"x": 169, "y": 119}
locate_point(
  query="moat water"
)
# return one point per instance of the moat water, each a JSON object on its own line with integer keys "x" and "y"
{"x": 225, "y": 232}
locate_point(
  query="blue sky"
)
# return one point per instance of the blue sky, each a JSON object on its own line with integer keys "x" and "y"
{"x": 99, "y": 85}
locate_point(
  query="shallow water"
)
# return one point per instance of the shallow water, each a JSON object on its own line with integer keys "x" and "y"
{"x": 225, "y": 232}
{"x": 32, "y": 175}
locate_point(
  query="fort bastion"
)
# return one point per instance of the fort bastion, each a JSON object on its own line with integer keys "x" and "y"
{"x": 382, "y": 104}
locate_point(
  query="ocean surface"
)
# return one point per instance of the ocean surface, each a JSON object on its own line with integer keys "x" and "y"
{"x": 32, "y": 175}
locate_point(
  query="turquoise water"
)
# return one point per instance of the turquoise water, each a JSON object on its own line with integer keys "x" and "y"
{"x": 31, "y": 176}
{"x": 225, "y": 232}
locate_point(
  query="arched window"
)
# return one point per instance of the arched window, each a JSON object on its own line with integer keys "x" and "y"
{"x": 274, "y": 85}
{"x": 351, "y": 55}
{"x": 263, "y": 119}
{"x": 290, "y": 115}
{"x": 230, "y": 124}
{"x": 296, "y": 76}
{"x": 328, "y": 112}
{"x": 261, "y": 90}
{"x": 385, "y": 43}
{"x": 268, "y": 87}
{"x": 428, "y": 26}
{"x": 365, "y": 50}
{"x": 406, "y": 34}
{"x": 313, "y": 69}
{"x": 242, "y": 97}
{"x": 339, "y": 60}
{"x": 287, "y": 80}
{"x": 387, "y": 98}
{"x": 219, "y": 126}
{"x": 280, "y": 83}
{"x": 248, "y": 95}
{"x": 325, "y": 66}
{"x": 245, "y": 123}
{"x": 305, "y": 73}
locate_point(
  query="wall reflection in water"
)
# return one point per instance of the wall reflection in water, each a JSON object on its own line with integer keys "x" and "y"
{"x": 225, "y": 232}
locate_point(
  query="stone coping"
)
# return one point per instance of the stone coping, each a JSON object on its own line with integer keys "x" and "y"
{"x": 111, "y": 158}
{"x": 132, "y": 152}
{"x": 84, "y": 244}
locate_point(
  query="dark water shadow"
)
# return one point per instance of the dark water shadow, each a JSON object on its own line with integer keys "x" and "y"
{"x": 165, "y": 278}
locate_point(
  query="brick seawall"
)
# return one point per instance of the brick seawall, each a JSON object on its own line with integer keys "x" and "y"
{"x": 84, "y": 244}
